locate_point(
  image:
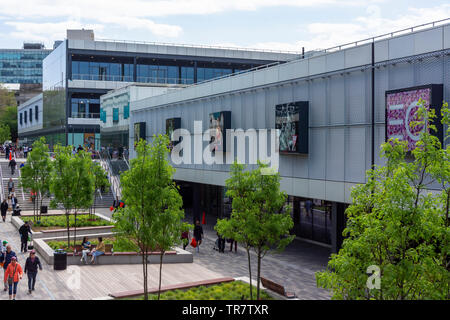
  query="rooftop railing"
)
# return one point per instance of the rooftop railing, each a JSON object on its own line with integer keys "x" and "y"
{"x": 339, "y": 47}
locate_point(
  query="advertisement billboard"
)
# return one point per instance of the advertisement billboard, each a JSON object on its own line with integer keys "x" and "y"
{"x": 292, "y": 121}
{"x": 139, "y": 132}
{"x": 219, "y": 122}
{"x": 401, "y": 108}
{"x": 171, "y": 125}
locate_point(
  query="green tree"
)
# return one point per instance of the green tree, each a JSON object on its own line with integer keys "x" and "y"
{"x": 36, "y": 173}
{"x": 259, "y": 211}
{"x": 72, "y": 183}
{"x": 397, "y": 225}
{"x": 240, "y": 224}
{"x": 8, "y": 112}
{"x": 100, "y": 180}
{"x": 165, "y": 200}
{"x": 5, "y": 133}
{"x": 134, "y": 222}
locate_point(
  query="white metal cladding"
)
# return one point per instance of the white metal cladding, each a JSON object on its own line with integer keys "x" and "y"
{"x": 339, "y": 118}
{"x": 26, "y": 106}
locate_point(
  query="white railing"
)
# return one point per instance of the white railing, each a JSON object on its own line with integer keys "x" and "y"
{"x": 198, "y": 46}
{"x": 1, "y": 183}
{"x": 336, "y": 48}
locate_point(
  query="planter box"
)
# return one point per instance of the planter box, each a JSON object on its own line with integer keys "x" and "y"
{"x": 176, "y": 256}
{"x": 17, "y": 222}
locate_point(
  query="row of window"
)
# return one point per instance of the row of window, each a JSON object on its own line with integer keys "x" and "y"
{"x": 22, "y": 55}
{"x": 126, "y": 114}
{"x": 21, "y": 64}
{"x": 23, "y": 116}
{"x": 110, "y": 71}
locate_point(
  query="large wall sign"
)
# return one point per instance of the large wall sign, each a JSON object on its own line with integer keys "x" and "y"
{"x": 139, "y": 132}
{"x": 219, "y": 122}
{"x": 292, "y": 121}
{"x": 401, "y": 108}
{"x": 171, "y": 125}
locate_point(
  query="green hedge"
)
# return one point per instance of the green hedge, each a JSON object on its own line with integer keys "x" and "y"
{"x": 225, "y": 291}
{"x": 60, "y": 221}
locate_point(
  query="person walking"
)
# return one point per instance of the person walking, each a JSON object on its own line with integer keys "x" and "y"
{"x": 185, "y": 238}
{"x": 12, "y": 164}
{"x": 232, "y": 241}
{"x": 6, "y": 259}
{"x": 198, "y": 232}
{"x": 13, "y": 274}
{"x": 31, "y": 265}
{"x": 24, "y": 230}
{"x": 14, "y": 201}
{"x": 4, "y": 209}
{"x": 25, "y": 151}
{"x": 10, "y": 186}
{"x": 308, "y": 207}
{"x": 7, "y": 149}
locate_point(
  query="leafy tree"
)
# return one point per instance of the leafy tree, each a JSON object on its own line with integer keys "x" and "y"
{"x": 100, "y": 180}
{"x": 8, "y": 112}
{"x": 135, "y": 222}
{"x": 165, "y": 201}
{"x": 259, "y": 211}
{"x": 5, "y": 133}
{"x": 36, "y": 174}
{"x": 72, "y": 183}
{"x": 239, "y": 226}
{"x": 397, "y": 225}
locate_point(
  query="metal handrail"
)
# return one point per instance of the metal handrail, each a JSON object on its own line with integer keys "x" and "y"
{"x": 1, "y": 177}
{"x": 198, "y": 46}
{"x": 340, "y": 47}
{"x": 115, "y": 183}
{"x": 160, "y": 80}
{"x": 386, "y": 35}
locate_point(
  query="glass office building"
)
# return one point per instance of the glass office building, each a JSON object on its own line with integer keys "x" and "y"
{"x": 22, "y": 66}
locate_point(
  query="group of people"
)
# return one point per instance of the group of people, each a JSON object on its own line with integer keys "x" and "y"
{"x": 87, "y": 247}
{"x": 13, "y": 271}
{"x": 13, "y": 199}
{"x": 198, "y": 235}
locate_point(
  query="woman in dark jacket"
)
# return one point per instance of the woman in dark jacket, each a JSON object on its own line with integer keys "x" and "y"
{"x": 31, "y": 265}
{"x": 198, "y": 232}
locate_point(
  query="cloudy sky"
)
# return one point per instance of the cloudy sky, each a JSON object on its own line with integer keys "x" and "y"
{"x": 268, "y": 24}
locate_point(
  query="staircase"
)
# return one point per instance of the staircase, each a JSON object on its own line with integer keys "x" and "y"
{"x": 103, "y": 200}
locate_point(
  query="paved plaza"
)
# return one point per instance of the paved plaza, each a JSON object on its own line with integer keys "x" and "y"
{"x": 294, "y": 268}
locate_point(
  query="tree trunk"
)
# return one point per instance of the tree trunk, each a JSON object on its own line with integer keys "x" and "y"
{"x": 258, "y": 278}
{"x": 75, "y": 230}
{"x": 68, "y": 228}
{"x": 160, "y": 272}
{"x": 146, "y": 275}
{"x": 250, "y": 272}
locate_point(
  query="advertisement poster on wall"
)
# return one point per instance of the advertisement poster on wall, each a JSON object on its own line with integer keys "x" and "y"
{"x": 401, "y": 108}
{"x": 171, "y": 125}
{"x": 89, "y": 140}
{"x": 219, "y": 122}
{"x": 292, "y": 121}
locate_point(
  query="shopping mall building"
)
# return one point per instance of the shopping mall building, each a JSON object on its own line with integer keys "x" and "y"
{"x": 333, "y": 110}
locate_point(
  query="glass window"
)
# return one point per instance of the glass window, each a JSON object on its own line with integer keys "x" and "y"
{"x": 31, "y": 115}
{"x": 36, "y": 112}
{"x": 187, "y": 75}
{"x": 25, "y": 116}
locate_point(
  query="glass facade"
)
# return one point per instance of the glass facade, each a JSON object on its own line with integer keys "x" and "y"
{"x": 102, "y": 71}
{"x": 157, "y": 74}
{"x": 54, "y": 88}
{"x": 85, "y": 107}
{"x": 210, "y": 73}
{"x": 21, "y": 65}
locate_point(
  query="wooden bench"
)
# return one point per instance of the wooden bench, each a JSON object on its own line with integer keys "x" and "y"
{"x": 278, "y": 288}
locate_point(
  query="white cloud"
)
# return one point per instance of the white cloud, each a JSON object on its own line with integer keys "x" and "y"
{"x": 327, "y": 35}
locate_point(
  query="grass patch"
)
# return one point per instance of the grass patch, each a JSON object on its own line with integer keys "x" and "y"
{"x": 235, "y": 290}
{"x": 59, "y": 222}
{"x": 118, "y": 247}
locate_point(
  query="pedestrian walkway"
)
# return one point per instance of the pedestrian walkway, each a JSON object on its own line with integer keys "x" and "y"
{"x": 294, "y": 268}
{"x": 95, "y": 281}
